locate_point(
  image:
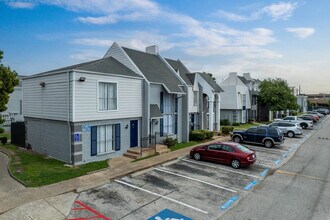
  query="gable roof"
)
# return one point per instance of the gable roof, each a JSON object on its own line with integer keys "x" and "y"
{"x": 242, "y": 78}
{"x": 154, "y": 69}
{"x": 191, "y": 77}
{"x": 211, "y": 82}
{"x": 177, "y": 65}
{"x": 106, "y": 65}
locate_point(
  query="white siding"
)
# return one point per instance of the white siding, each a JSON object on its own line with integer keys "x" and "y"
{"x": 129, "y": 99}
{"x": 49, "y": 102}
{"x": 119, "y": 54}
{"x": 192, "y": 108}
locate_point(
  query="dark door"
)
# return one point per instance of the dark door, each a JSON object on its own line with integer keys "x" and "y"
{"x": 250, "y": 135}
{"x": 134, "y": 133}
{"x": 261, "y": 134}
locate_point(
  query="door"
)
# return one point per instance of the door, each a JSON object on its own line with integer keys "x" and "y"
{"x": 261, "y": 134}
{"x": 134, "y": 133}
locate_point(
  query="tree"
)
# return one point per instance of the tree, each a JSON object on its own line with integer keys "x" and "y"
{"x": 8, "y": 80}
{"x": 277, "y": 95}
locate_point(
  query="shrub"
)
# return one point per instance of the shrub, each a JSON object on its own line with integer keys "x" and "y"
{"x": 3, "y": 140}
{"x": 170, "y": 141}
{"x": 236, "y": 124}
{"x": 200, "y": 135}
{"x": 226, "y": 130}
{"x": 1, "y": 130}
{"x": 224, "y": 122}
{"x": 251, "y": 121}
{"x": 294, "y": 113}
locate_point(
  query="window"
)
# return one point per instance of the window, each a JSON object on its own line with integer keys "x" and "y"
{"x": 261, "y": 131}
{"x": 227, "y": 148}
{"x": 107, "y": 96}
{"x": 195, "y": 98}
{"x": 252, "y": 131}
{"x": 105, "y": 139}
{"x": 214, "y": 147}
{"x": 168, "y": 117}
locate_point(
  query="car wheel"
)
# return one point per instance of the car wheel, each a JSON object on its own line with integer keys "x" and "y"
{"x": 268, "y": 143}
{"x": 304, "y": 126}
{"x": 237, "y": 139}
{"x": 197, "y": 156}
{"x": 290, "y": 134}
{"x": 235, "y": 164}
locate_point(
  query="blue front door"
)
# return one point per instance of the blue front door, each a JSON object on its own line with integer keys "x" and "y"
{"x": 134, "y": 133}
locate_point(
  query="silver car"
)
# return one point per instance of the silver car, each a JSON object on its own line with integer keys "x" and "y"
{"x": 289, "y": 129}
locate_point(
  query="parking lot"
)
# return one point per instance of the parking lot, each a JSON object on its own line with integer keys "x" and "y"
{"x": 182, "y": 189}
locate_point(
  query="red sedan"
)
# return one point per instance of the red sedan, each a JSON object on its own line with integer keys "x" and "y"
{"x": 229, "y": 153}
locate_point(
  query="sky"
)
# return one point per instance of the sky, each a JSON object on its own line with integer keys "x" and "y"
{"x": 269, "y": 39}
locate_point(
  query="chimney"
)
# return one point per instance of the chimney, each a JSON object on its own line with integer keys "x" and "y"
{"x": 152, "y": 49}
{"x": 233, "y": 75}
{"x": 247, "y": 76}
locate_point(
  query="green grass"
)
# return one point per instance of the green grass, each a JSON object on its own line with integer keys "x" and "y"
{"x": 6, "y": 135}
{"x": 37, "y": 170}
{"x": 183, "y": 145}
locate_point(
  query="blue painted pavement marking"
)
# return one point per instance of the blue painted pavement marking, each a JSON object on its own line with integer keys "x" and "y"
{"x": 250, "y": 185}
{"x": 278, "y": 161}
{"x": 285, "y": 155}
{"x": 263, "y": 173}
{"x": 229, "y": 202}
{"x": 168, "y": 214}
{"x": 291, "y": 149}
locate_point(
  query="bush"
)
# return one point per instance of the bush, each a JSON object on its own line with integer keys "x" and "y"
{"x": 170, "y": 141}
{"x": 226, "y": 130}
{"x": 224, "y": 122}
{"x": 251, "y": 121}
{"x": 200, "y": 135}
{"x": 236, "y": 124}
{"x": 1, "y": 130}
{"x": 3, "y": 140}
{"x": 294, "y": 113}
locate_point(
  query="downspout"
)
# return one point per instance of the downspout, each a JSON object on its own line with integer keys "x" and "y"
{"x": 68, "y": 115}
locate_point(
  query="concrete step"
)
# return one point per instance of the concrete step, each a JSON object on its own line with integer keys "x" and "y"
{"x": 134, "y": 151}
{"x": 132, "y": 156}
{"x": 163, "y": 151}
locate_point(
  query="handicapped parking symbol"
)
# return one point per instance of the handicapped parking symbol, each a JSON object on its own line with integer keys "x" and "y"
{"x": 167, "y": 214}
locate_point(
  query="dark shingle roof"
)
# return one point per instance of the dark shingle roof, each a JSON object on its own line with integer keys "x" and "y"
{"x": 177, "y": 65}
{"x": 191, "y": 77}
{"x": 211, "y": 82}
{"x": 242, "y": 78}
{"x": 154, "y": 69}
{"x": 155, "y": 111}
{"x": 105, "y": 65}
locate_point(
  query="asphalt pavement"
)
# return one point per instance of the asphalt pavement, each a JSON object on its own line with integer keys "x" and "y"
{"x": 300, "y": 189}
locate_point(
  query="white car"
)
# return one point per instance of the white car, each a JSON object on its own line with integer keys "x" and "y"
{"x": 289, "y": 129}
{"x": 295, "y": 119}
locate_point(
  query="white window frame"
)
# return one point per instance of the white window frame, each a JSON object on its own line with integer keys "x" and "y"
{"x": 168, "y": 117}
{"x": 106, "y": 143}
{"x": 98, "y": 96}
{"x": 195, "y": 94}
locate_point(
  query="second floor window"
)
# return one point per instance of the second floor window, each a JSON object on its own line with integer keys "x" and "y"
{"x": 107, "y": 96}
{"x": 195, "y": 98}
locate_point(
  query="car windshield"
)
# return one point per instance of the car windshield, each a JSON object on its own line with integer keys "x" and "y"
{"x": 244, "y": 149}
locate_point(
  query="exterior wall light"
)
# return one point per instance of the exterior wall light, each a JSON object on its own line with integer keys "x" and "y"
{"x": 82, "y": 79}
{"x": 42, "y": 84}
{"x": 126, "y": 127}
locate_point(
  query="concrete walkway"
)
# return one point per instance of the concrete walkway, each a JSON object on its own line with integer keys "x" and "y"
{"x": 38, "y": 198}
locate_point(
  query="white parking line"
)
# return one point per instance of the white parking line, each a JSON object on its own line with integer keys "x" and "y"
{"x": 220, "y": 168}
{"x": 197, "y": 180}
{"x": 159, "y": 195}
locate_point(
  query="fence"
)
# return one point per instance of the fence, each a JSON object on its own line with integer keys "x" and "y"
{"x": 8, "y": 118}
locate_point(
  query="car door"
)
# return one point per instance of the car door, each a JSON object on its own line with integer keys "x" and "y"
{"x": 211, "y": 152}
{"x": 261, "y": 134}
{"x": 250, "y": 135}
{"x": 227, "y": 154}
{"x": 283, "y": 127}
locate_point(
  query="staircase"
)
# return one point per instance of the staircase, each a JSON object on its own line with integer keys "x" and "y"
{"x": 135, "y": 152}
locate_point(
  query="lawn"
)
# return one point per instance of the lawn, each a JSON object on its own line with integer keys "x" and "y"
{"x": 179, "y": 146}
{"x": 5, "y": 135}
{"x": 246, "y": 126}
{"x": 35, "y": 170}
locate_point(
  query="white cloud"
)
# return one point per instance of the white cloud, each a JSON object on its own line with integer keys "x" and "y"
{"x": 280, "y": 11}
{"x": 301, "y": 32}
{"x": 24, "y": 5}
{"x": 277, "y": 11}
{"x": 86, "y": 55}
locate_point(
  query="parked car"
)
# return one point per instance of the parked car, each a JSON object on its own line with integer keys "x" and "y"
{"x": 315, "y": 113}
{"x": 268, "y": 136}
{"x": 323, "y": 111}
{"x": 288, "y": 128}
{"x": 295, "y": 119}
{"x": 232, "y": 154}
{"x": 314, "y": 118}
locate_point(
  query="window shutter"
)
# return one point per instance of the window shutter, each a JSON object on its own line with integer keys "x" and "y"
{"x": 161, "y": 102}
{"x": 176, "y": 104}
{"x": 176, "y": 124}
{"x": 161, "y": 124}
{"x": 117, "y": 137}
{"x": 93, "y": 140}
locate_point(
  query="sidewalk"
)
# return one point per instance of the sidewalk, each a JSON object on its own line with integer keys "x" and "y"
{"x": 39, "y": 203}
